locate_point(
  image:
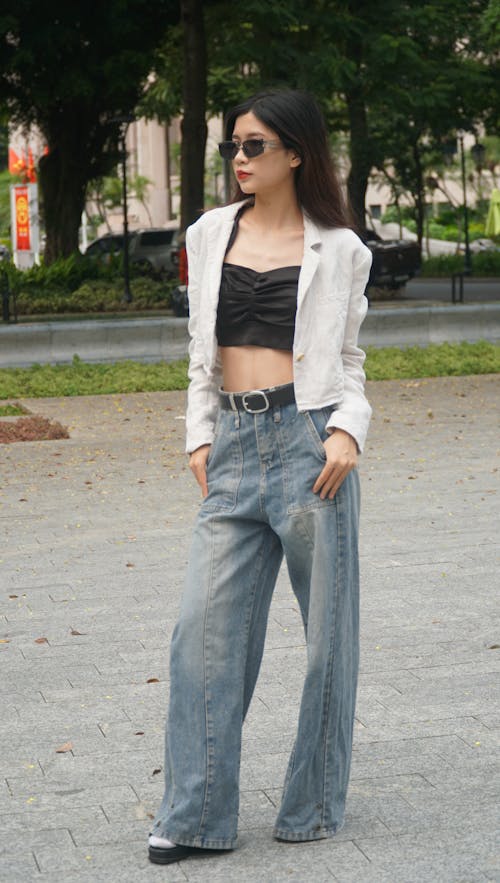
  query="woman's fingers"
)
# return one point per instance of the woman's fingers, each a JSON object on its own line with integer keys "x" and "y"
{"x": 341, "y": 457}
{"x": 201, "y": 478}
{"x": 198, "y": 465}
{"x": 329, "y": 480}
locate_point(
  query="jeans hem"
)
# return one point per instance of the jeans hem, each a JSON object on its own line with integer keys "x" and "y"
{"x": 197, "y": 841}
{"x": 302, "y": 836}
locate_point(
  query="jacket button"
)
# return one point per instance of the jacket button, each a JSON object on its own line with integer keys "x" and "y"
{"x": 299, "y": 357}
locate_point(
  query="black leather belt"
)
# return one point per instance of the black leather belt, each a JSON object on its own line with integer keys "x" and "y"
{"x": 256, "y": 401}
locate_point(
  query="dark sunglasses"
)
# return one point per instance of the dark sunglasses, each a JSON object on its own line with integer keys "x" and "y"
{"x": 251, "y": 148}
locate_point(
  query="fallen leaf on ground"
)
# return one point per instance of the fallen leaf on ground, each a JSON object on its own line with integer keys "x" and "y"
{"x": 153, "y": 681}
{"x": 31, "y": 429}
{"x": 41, "y": 640}
{"x": 63, "y": 749}
{"x": 74, "y": 632}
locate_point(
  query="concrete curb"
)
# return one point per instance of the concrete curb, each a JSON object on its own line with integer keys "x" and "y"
{"x": 155, "y": 339}
{"x": 421, "y": 325}
{"x": 95, "y": 340}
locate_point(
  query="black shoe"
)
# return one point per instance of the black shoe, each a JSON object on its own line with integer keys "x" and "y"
{"x": 163, "y": 855}
{"x": 166, "y": 855}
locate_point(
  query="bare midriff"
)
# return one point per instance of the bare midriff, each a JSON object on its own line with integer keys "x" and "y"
{"x": 254, "y": 367}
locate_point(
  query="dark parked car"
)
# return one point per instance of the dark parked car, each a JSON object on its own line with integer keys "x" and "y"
{"x": 151, "y": 248}
{"x": 395, "y": 261}
{"x": 180, "y": 304}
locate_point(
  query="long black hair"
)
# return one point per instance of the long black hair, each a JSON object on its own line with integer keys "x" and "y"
{"x": 297, "y": 120}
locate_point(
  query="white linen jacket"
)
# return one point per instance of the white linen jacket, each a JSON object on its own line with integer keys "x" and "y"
{"x": 331, "y": 305}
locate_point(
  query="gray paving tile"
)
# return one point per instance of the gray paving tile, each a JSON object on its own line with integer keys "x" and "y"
{"x": 424, "y": 791}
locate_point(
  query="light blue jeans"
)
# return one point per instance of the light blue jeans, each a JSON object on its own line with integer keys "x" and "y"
{"x": 261, "y": 470}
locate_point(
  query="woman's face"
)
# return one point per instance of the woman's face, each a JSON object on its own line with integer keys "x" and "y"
{"x": 271, "y": 170}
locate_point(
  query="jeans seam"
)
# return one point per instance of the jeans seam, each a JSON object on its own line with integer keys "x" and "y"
{"x": 208, "y": 781}
{"x": 254, "y": 594}
{"x": 331, "y": 665}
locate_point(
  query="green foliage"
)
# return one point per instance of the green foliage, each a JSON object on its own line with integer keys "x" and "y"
{"x": 11, "y": 410}
{"x": 80, "y": 284}
{"x": 447, "y": 224}
{"x": 95, "y": 296}
{"x": 394, "y": 214}
{"x": 73, "y": 70}
{"x": 63, "y": 276}
{"x": 484, "y": 263}
{"x": 162, "y": 96}
{"x": 6, "y": 179}
{"x": 81, "y": 378}
{"x": 435, "y": 360}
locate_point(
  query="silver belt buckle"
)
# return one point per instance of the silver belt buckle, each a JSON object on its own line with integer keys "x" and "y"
{"x": 255, "y": 392}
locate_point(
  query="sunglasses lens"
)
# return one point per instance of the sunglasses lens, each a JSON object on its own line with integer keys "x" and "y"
{"x": 228, "y": 149}
{"x": 253, "y": 147}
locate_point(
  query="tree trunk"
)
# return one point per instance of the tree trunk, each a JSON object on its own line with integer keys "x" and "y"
{"x": 63, "y": 199}
{"x": 193, "y": 126}
{"x": 419, "y": 195}
{"x": 64, "y": 173}
{"x": 360, "y": 154}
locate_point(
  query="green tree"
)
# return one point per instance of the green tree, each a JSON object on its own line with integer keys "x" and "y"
{"x": 397, "y": 76}
{"x": 446, "y": 87}
{"x": 71, "y": 70}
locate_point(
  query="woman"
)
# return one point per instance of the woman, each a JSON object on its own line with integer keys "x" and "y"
{"x": 276, "y": 418}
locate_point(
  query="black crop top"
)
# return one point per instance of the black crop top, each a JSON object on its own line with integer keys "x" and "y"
{"x": 257, "y": 309}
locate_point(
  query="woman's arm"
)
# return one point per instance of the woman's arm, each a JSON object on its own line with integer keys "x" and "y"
{"x": 353, "y": 414}
{"x": 202, "y": 400}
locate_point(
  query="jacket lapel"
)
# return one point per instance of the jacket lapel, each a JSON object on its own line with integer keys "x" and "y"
{"x": 217, "y": 240}
{"x": 312, "y": 243}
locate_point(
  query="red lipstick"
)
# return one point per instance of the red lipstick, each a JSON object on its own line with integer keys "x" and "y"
{"x": 242, "y": 176}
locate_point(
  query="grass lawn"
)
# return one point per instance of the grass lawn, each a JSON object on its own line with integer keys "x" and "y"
{"x": 81, "y": 378}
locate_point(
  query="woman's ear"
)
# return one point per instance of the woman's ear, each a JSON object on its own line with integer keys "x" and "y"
{"x": 295, "y": 161}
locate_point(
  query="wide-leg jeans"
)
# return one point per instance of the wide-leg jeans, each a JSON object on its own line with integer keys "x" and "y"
{"x": 260, "y": 504}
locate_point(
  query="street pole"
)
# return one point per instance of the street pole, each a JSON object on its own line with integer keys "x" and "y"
{"x": 467, "y": 260}
{"x": 127, "y": 294}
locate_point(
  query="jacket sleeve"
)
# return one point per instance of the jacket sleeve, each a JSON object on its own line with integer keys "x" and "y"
{"x": 202, "y": 399}
{"x": 353, "y": 414}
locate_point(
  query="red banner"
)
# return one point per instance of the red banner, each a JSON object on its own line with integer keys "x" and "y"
{"x": 22, "y": 219}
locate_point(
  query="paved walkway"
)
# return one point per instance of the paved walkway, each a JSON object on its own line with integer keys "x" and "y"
{"x": 94, "y": 534}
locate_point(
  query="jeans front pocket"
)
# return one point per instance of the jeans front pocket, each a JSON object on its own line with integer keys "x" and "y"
{"x": 316, "y": 424}
{"x": 224, "y": 465}
{"x": 305, "y": 458}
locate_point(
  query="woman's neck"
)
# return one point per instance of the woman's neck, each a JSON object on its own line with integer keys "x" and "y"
{"x": 274, "y": 212}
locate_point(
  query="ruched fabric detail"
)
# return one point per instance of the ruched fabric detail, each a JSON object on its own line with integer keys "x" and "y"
{"x": 257, "y": 309}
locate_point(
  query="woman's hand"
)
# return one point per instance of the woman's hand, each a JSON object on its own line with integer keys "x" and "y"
{"x": 198, "y": 465}
{"x": 341, "y": 457}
